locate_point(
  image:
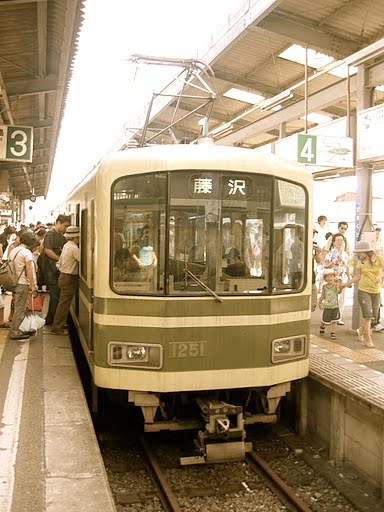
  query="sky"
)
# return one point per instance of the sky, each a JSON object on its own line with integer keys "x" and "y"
{"x": 107, "y": 91}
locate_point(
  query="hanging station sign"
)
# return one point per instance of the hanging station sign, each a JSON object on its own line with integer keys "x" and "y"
{"x": 325, "y": 151}
{"x": 16, "y": 143}
{"x": 370, "y": 133}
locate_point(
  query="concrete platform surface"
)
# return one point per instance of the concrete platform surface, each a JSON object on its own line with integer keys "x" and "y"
{"x": 49, "y": 456}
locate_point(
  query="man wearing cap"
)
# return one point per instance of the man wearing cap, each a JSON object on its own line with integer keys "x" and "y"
{"x": 53, "y": 244}
{"x": 69, "y": 278}
{"x": 25, "y": 268}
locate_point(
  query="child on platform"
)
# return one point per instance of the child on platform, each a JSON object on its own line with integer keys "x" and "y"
{"x": 329, "y": 302}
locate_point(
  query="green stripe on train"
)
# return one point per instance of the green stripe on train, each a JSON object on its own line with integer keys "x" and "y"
{"x": 215, "y": 345}
{"x": 176, "y": 307}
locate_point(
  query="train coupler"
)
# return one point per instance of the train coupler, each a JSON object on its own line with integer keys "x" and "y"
{"x": 223, "y": 439}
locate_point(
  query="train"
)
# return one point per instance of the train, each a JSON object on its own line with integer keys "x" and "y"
{"x": 195, "y": 284}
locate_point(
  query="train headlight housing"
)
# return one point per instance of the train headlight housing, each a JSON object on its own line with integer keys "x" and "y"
{"x": 135, "y": 355}
{"x": 285, "y": 349}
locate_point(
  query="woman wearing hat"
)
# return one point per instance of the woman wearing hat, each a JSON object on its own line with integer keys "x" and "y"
{"x": 369, "y": 273}
{"x": 25, "y": 269}
{"x": 69, "y": 278}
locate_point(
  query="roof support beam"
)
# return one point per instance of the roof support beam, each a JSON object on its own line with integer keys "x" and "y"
{"x": 319, "y": 100}
{"x": 42, "y": 25}
{"x": 307, "y": 34}
{"x": 13, "y": 2}
{"x": 32, "y": 86}
{"x": 233, "y": 78}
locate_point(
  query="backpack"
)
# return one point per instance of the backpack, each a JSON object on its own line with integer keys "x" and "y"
{"x": 8, "y": 276}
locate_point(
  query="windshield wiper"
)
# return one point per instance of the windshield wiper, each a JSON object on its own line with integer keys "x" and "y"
{"x": 203, "y": 285}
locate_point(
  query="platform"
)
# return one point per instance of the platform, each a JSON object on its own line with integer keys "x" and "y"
{"x": 49, "y": 455}
{"x": 342, "y": 401}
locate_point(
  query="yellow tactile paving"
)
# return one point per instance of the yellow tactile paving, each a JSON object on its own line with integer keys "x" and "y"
{"x": 361, "y": 355}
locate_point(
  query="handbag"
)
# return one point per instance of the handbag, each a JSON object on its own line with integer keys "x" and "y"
{"x": 31, "y": 322}
{"x": 36, "y": 303}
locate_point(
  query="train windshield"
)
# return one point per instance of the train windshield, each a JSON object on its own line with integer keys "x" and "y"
{"x": 198, "y": 233}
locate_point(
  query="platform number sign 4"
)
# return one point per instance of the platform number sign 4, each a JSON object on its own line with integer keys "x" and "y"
{"x": 306, "y": 149}
{"x": 16, "y": 143}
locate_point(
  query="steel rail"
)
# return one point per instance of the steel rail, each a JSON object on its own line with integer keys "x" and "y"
{"x": 166, "y": 495}
{"x": 277, "y": 483}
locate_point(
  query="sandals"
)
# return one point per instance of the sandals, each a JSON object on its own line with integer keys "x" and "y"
{"x": 4, "y": 326}
{"x": 333, "y": 336}
{"x": 322, "y": 330}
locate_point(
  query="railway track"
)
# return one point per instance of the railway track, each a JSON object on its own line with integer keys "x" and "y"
{"x": 169, "y": 497}
{"x": 147, "y": 476}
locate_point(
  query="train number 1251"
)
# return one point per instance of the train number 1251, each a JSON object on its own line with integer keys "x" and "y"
{"x": 187, "y": 349}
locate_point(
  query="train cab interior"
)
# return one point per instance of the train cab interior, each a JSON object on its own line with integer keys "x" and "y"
{"x": 249, "y": 237}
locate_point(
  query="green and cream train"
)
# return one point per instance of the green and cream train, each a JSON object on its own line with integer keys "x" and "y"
{"x": 195, "y": 283}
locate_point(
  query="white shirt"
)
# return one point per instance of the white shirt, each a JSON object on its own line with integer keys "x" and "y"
{"x": 69, "y": 259}
{"x": 20, "y": 256}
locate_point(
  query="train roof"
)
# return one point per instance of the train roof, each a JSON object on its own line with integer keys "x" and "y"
{"x": 171, "y": 155}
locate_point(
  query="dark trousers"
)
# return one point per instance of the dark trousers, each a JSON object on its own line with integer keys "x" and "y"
{"x": 54, "y": 297}
{"x": 68, "y": 284}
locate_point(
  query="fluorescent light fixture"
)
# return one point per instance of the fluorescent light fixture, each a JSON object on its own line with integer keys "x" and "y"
{"x": 314, "y": 117}
{"x": 296, "y": 53}
{"x": 220, "y": 130}
{"x": 342, "y": 71}
{"x": 276, "y": 101}
{"x": 245, "y": 96}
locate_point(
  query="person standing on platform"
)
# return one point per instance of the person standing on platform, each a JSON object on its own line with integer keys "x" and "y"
{"x": 379, "y": 249}
{"x": 338, "y": 260}
{"x": 25, "y": 268}
{"x": 316, "y": 260}
{"x": 321, "y": 230}
{"x": 378, "y": 244}
{"x": 69, "y": 278}
{"x": 329, "y": 302}
{"x": 342, "y": 228}
{"x": 53, "y": 244}
{"x": 369, "y": 275}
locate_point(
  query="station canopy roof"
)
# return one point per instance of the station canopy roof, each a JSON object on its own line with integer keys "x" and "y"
{"x": 37, "y": 44}
{"x": 261, "y": 51}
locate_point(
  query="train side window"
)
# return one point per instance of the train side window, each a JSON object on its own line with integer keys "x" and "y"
{"x": 83, "y": 244}
{"x": 290, "y": 237}
{"x": 138, "y": 234}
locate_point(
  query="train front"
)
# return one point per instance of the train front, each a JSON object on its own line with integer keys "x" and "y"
{"x": 209, "y": 291}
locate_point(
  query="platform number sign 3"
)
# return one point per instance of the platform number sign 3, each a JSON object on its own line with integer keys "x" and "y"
{"x": 16, "y": 143}
{"x": 306, "y": 146}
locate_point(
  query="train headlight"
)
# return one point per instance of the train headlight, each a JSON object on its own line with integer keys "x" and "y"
{"x": 285, "y": 349}
{"x": 135, "y": 355}
{"x": 282, "y": 346}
